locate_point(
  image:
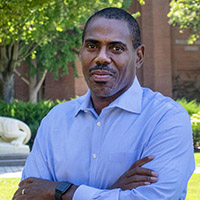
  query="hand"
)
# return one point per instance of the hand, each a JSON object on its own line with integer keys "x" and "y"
{"x": 35, "y": 188}
{"x": 136, "y": 176}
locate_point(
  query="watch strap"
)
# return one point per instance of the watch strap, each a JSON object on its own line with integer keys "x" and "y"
{"x": 61, "y": 189}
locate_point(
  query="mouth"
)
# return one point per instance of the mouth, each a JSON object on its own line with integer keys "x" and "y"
{"x": 101, "y": 76}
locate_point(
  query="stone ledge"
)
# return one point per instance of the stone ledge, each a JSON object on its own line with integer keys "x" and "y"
{"x": 13, "y": 160}
{"x": 7, "y": 148}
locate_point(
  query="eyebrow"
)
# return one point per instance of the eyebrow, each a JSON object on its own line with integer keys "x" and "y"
{"x": 112, "y": 43}
{"x": 92, "y": 41}
{"x": 118, "y": 42}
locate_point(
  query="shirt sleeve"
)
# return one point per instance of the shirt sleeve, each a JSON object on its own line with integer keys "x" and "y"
{"x": 36, "y": 163}
{"x": 172, "y": 146}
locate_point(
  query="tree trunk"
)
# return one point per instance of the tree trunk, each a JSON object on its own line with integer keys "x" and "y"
{"x": 35, "y": 82}
{"x": 10, "y": 55}
{"x": 35, "y": 85}
{"x": 8, "y": 61}
{"x": 7, "y": 86}
{"x": 33, "y": 94}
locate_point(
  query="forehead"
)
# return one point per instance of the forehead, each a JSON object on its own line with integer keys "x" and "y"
{"x": 108, "y": 29}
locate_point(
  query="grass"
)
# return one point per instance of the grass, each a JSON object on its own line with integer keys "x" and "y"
{"x": 193, "y": 192}
{"x": 194, "y": 188}
{"x": 8, "y": 186}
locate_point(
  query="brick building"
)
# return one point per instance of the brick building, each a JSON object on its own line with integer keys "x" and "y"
{"x": 170, "y": 63}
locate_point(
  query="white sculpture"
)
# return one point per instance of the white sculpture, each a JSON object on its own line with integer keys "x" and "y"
{"x": 13, "y": 135}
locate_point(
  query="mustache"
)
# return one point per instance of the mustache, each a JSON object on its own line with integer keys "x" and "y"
{"x": 104, "y": 67}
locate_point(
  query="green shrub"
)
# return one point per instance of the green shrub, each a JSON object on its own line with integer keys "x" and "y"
{"x": 195, "y": 119}
{"x": 30, "y": 113}
{"x": 192, "y": 107}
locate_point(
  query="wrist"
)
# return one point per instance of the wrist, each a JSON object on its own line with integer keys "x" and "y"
{"x": 51, "y": 190}
{"x": 69, "y": 194}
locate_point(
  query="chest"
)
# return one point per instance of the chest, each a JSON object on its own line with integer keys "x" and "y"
{"x": 97, "y": 151}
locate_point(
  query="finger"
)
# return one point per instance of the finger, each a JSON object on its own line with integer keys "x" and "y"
{"x": 135, "y": 185}
{"x": 142, "y": 161}
{"x": 140, "y": 178}
{"x": 17, "y": 194}
{"x": 141, "y": 171}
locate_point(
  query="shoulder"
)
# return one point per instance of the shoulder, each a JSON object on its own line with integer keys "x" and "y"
{"x": 163, "y": 111}
{"x": 158, "y": 102}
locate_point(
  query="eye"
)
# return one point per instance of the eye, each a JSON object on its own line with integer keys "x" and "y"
{"x": 91, "y": 46}
{"x": 117, "y": 49}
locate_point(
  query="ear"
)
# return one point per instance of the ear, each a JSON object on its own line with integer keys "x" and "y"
{"x": 140, "y": 56}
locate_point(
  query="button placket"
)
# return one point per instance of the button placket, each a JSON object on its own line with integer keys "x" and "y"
{"x": 95, "y": 150}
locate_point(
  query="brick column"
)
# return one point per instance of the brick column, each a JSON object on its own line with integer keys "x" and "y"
{"x": 156, "y": 34}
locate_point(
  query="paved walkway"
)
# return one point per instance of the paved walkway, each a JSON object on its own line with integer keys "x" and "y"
{"x": 11, "y": 172}
{"x": 15, "y": 172}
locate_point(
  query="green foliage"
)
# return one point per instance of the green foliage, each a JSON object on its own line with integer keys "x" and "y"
{"x": 142, "y": 2}
{"x": 195, "y": 119}
{"x": 35, "y": 20}
{"x": 28, "y": 112}
{"x": 186, "y": 14}
{"x": 55, "y": 55}
{"x": 192, "y": 107}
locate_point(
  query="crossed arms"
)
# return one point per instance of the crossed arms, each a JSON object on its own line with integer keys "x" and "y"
{"x": 41, "y": 189}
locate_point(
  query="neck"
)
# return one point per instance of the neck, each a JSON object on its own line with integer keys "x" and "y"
{"x": 100, "y": 102}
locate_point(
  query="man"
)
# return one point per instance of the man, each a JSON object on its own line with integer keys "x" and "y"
{"x": 119, "y": 141}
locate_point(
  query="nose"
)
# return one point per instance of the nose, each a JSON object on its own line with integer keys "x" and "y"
{"x": 102, "y": 57}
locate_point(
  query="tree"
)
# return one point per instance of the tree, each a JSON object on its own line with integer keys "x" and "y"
{"x": 186, "y": 14}
{"x": 27, "y": 24}
{"x": 52, "y": 57}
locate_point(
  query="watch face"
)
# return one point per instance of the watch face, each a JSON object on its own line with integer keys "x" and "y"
{"x": 63, "y": 187}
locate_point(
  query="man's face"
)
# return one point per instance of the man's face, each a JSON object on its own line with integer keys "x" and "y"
{"x": 108, "y": 57}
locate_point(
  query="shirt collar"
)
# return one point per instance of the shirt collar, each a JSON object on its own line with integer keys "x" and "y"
{"x": 130, "y": 100}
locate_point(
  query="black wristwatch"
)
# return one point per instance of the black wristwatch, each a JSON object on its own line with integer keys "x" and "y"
{"x": 61, "y": 189}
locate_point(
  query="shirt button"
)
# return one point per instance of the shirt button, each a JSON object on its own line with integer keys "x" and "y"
{"x": 94, "y": 155}
{"x": 98, "y": 123}
{"x": 85, "y": 111}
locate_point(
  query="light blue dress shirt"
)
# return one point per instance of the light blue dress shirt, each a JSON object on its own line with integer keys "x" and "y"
{"x": 92, "y": 151}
